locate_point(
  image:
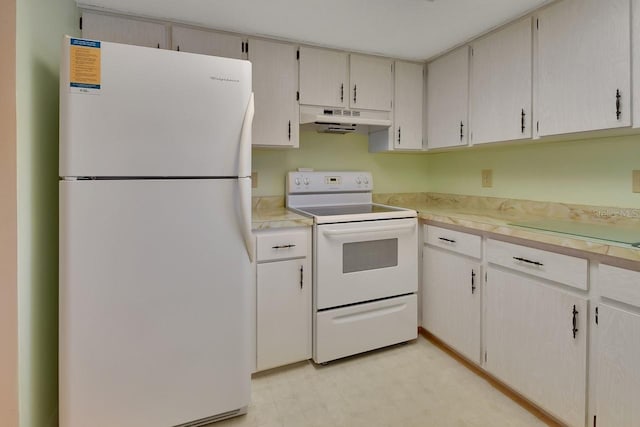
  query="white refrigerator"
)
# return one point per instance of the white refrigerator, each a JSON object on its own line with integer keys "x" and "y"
{"x": 155, "y": 236}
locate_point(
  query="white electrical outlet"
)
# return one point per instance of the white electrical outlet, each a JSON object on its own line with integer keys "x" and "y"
{"x": 635, "y": 186}
{"x": 487, "y": 178}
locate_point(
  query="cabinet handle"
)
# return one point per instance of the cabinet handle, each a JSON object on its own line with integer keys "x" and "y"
{"x": 618, "y": 112}
{"x": 301, "y": 276}
{"x": 461, "y": 132}
{"x": 528, "y": 261}
{"x": 473, "y": 282}
{"x": 575, "y": 322}
{"x": 444, "y": 239}
{"x": 178, "y": 49}
{"x": 289, "y": 130}
{"x": 158, "y": 45}
{"x": 341, "y": 92}
{"x": 283, "y": 246}
{"x": 355, "y": 93}
{"x": 399, "y": 134}
{"x": 522, "y": 121}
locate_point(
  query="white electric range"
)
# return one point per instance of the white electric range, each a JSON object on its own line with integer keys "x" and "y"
{"x": 365, "y": 264}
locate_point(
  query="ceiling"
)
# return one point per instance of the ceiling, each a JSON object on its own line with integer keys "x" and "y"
{"x": 409, "y": 29}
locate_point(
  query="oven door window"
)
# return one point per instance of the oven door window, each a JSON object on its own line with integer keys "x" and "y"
{"x": 369, "y": 255}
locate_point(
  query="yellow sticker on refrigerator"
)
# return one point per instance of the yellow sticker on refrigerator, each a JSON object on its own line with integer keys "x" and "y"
{"x": 84, "y": 71}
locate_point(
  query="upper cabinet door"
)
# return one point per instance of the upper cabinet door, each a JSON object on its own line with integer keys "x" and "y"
{"x": 584, "y": 66}
{"x": 500, "y": 102}
{"x": 324, "y": 78}
{"x": 275, "y": 83}
{"x": 447, "y": 99}
{"x": 371, "y": 81}
{"x": 207, "y": 42}
{"x": 123, "y": 30}
{"x": 407, "y": 123}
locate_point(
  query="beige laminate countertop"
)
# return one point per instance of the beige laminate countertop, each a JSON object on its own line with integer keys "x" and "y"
{"x": 488, "y": 215}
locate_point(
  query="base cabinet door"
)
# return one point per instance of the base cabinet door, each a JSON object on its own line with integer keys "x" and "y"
{"x": 451, "y": 300}
{"x": 618, "y": 376}
{"x": 283, "y": 313}
{"x": 536, "y": 342}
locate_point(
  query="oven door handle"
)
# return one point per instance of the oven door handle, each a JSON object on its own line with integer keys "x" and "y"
{"x": 382, "y": 228}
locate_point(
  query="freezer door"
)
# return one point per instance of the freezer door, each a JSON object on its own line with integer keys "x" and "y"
{"x": 154, "y": 297}
{"x": 155, "y": 113}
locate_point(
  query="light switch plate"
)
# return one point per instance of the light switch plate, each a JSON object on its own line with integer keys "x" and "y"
{"x": 636, "y": 181}
{"x": 487, "y": 178}
{"x": 254, "y": 179}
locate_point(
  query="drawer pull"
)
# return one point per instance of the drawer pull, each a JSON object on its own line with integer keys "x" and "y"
{"x": 528, "y": 261}
{"x": 575, "y": 321}
{"x": 301, "y": 276}
{"x": 283, "y": 246}
{"x": 473, "y": 282}
{"x": 444, "y": 239}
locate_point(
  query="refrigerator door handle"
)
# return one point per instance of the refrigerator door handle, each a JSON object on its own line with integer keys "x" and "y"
{"x": 245, "y": 214}
{"x": 244, "y": 159}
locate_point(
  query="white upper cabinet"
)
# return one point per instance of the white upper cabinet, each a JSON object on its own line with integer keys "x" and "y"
{"x": 324, "y": 78}
{"x": 123, "y": 30}
{"x": 448, "y": 99}
{"x": 192, "y": 40}
{"x": 407, "y": 111}
{"x": 584, "y": 66}
{"x": 371, "y": 82}
{"x": 501, "y": 85}
{"x": 275, "y": 83}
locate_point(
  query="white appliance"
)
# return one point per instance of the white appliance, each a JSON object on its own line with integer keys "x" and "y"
{"x": 365, "y": 267}
{"x": 155, "y": 241}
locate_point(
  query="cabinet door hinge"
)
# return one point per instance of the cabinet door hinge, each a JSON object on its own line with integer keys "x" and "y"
{"x": 298, "y": 54}
{"x": 297, "y": 95}
{"x": 80, "y": 22}
{"x": 596, "y": 315}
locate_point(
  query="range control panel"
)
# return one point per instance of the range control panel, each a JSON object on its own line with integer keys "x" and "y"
{"x": 328, "y": 182}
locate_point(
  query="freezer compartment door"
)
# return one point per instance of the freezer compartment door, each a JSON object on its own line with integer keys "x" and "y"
{"x": 156, "y": 113}
{"x": 154, "y": 302}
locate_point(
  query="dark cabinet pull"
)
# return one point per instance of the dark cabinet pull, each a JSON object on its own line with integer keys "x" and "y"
{"x": 158, "y": 45}
{"x": 444, "y": 239}
{"x": 618, "y": 112}
{"x": 528, "y": 261}
{"x": 575, "y": 322}
{"x": 341, "y": 92}
{"x": 398, "y": 134}
{"x": 473, "y": 282}
{"x": 522, "y": 121}
{"x": 289, "y": 130}
{"x": 283, "y": 246}
{"x": 355, "y": 93}
{"x": 461, "y": 132}
{"x": 301, "y": 276}
{"x": 178, "y": 49}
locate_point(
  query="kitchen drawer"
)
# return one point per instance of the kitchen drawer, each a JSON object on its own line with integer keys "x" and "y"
{"x": 455, "y": 241}
{"x": 362, "y": 327}
{"x": 619, "y": 284}
{"x": 559, "y": 268}
{"x": 282, "y": 244}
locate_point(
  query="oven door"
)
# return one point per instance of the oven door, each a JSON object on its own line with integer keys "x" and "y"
{"x": 363, "y": 261}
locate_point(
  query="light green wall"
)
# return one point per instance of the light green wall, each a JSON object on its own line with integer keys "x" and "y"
{"x": 40, "y": 27}
{"x": 391, "y": 172}
{"x": 592, "y": 172}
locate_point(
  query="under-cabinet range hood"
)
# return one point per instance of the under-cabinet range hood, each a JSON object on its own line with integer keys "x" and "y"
{"x": 341, "y": 121}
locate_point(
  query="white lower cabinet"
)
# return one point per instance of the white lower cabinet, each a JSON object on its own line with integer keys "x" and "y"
{"x": 283, "y": 298}
{"x": 617, "y": 383}
{"x": 451, "y": 290}
{"x": 536, "y": 342}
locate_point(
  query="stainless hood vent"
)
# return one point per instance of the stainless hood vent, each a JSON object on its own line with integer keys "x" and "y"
{"x": 341, "y": 121}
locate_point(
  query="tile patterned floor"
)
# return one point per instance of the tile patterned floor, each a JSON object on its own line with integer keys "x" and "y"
{"x": 411, "y": 385}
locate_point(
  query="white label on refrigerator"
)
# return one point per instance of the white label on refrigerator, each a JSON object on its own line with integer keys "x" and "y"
{"x": 84, "y": 70}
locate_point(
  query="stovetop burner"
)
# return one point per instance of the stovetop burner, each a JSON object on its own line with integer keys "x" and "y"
{"x": 348, "y": 209}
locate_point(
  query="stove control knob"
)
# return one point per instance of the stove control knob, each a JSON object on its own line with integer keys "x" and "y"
{"x": 366, "y": 181}
{"x": 358, "y": 180}
{"x": 297, "y": 181}
{"x": 306, "y": 181}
